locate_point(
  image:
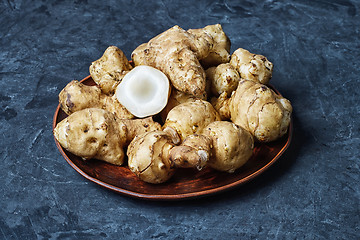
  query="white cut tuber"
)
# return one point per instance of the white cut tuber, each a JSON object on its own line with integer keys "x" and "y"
{"x": 144, "y": 91}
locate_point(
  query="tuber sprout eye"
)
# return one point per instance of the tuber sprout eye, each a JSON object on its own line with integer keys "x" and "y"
{"x": 144, "y": 91}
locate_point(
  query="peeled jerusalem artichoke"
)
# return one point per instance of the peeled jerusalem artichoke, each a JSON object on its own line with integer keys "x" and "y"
{"x": 97, "y": 133}
{"x": 109, "y": 70}
{"x": 252, "y": 66}
{"x": 77, "y": 96}
{"x": 256, "y": 108}
{"x": 144, "y": 91}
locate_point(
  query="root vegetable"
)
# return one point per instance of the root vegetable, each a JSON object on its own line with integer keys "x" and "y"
{"x": 174, "y": 52}
{"x": 219, "y": 52}
{"x": 109, "y": 70}
{"x": 176, "y": 98}
{"x": 191, "y": 117}
{"x": 77, "y": 96}
{"x": 138, "y": 56}
{"x": 252, "y": 66}
{"x": 97, "y": 133}
{"x": 177, "y": 52}
{"x": 153, "y": 157}
{"x": 144, "y": 91}
{"x": 194, "y": 152}
{"x": 232, "y": 146}
{"x": 222, "y": 78}
{"x": 258, "y": 109}
{"x": 148, "y": 157}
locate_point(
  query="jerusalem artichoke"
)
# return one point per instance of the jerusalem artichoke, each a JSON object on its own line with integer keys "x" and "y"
{"x": 177, "y": 52}
{"x": 108, "y": 71}
{"x": 97, "y": 133}
{"x": 77, "y": 96}
{"x": 222, "y": 78}
{"x": 252, "y": 66}
{"x": 258, "y": 109}
{"x": 219, "y": 52}
{"x": 190, "y": 117}
{"x": 144, "y": 91}
{"x": 153, "y": 157}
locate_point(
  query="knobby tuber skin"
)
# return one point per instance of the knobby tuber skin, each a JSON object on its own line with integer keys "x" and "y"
{"x": 222, "y": 78}
{"x": 177, "y": 52}
{"x": 232, "y": 146}
{"x": 221, "y": 104}
{"x": 153, "y": 157}
{"x": 148, "y": 157}
{"x": 258, "y": 109}
{"x": 191, "y": 117}
{"x": 219, "y": 52}
{"x": 176, "y": 98}
{"x": 108, "y": 71}
{"x": 251, "y": 66}
{"x": 174, "y": 52}
{"x": 194, "y": 151}
{"x": 92, "y": 133}
{"x": 97, "y": 133}
{"x": 222, "y": 146}
{"x": 77, "y": 96}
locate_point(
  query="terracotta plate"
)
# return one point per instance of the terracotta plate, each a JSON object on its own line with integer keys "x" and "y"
{"x": 185, "y": 183}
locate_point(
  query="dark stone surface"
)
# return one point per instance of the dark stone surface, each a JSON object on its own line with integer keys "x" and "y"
{"x": 311, "y": 193}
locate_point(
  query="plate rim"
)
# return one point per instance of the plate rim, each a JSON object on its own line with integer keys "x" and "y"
{"x": 182, "y": 196}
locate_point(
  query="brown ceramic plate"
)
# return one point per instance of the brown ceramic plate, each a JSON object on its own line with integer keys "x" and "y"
{"x": 185, "y": 183}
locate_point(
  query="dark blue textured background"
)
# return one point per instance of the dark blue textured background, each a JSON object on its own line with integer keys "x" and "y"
{"x": 312, "y": 192}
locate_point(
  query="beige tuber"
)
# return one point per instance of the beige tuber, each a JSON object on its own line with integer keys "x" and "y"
{"x": 97, "y": 133}
{"x": 177, "y": 52}
{"x": 222, "y": 78}
{"x": 252, "y": 66}
{"x": 190, "y": 118}
{"x": 77, "y": 96}
{"x": 256, "y": 108}
{"x": 108, "y": 71}
{"x": 153, "y": 157}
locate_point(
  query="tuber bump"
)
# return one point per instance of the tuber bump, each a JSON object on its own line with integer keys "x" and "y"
{"x": 219, "y": 52}
{"x": 258, "y": 109}
{"x": 77, "y": 96}
{"x": 222, "y": 78}
{"x": 232, "y": 146}
{"x": 153, "y": 157}
{"x": 176, "y": 98}
{"x": 190, "y": 117}
{"x": 109, "y": 70}
{"x": 177, "y": 52}
{"x": 97, "y": 133}
{"x": 252, "y": 66}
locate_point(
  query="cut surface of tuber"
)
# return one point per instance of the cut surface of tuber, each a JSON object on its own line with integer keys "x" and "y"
{"x": 144, "y": 91}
